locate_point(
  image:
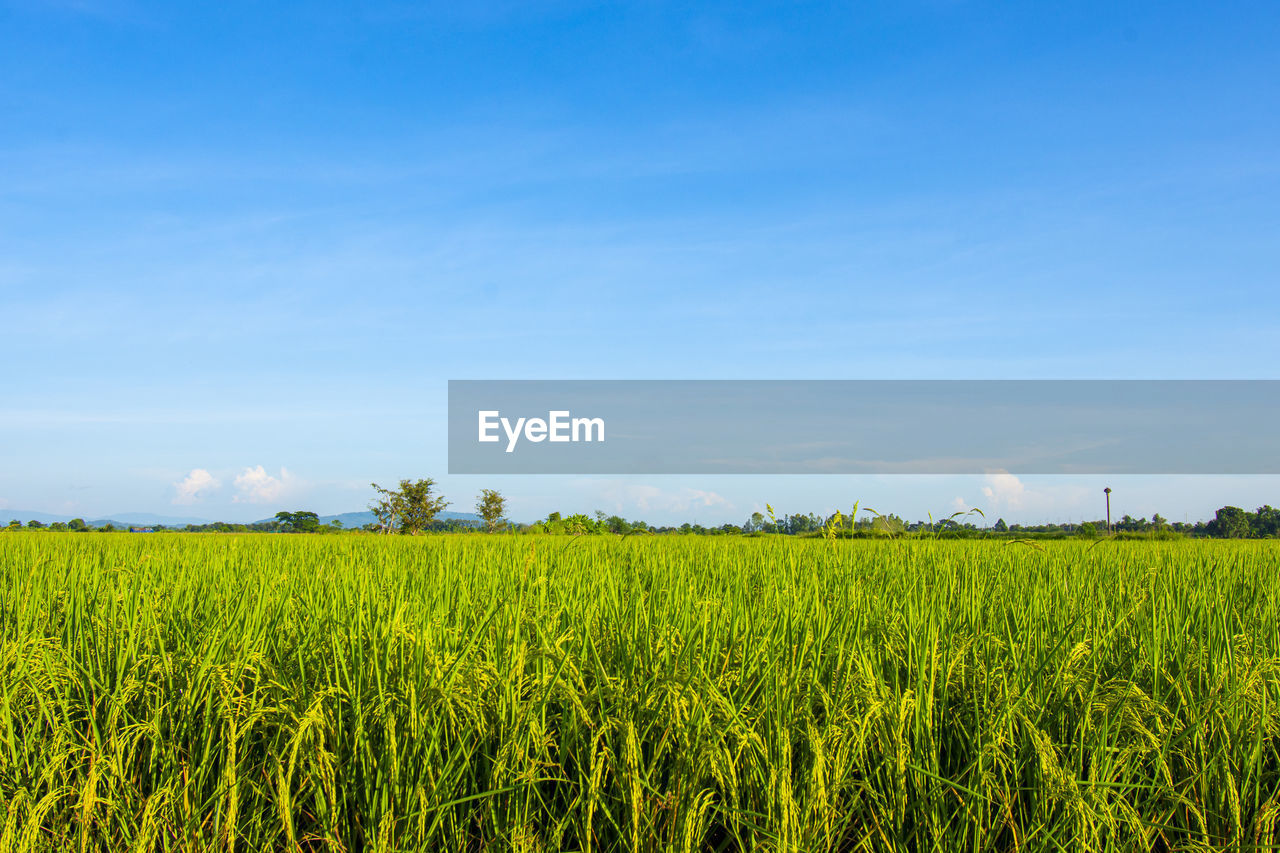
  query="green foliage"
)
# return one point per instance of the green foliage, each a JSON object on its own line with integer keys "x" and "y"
{"x": 408, "y": 509}
{"x": 491, "y": 506}
{"x": 297, "y": 522}
{"x": 1088, "y": 530}
{"x": 195, "y": 693}
{"x": 1230, "y": 522}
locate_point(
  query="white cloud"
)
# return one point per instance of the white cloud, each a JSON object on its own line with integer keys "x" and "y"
{"x": 255, "y": 486}
{"x": 1005, "y": 490}
{"x": 195, "y": 486}
{"x": 1051, "y": 498}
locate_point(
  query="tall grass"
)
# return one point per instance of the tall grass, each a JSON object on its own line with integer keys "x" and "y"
{"x": 245, "y": 693}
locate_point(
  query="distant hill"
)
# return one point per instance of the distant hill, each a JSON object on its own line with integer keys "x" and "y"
{"x": 120, "y": 519}
{"x": 152, "y": 518}
{"x": 360, "y": 519}
{"x": 137, "y": 519}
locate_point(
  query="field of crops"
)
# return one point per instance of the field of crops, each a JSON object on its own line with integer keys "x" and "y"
{"x": 470, "y": 692}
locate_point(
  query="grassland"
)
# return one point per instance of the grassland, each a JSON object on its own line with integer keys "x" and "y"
{"x": 667, "y": 693}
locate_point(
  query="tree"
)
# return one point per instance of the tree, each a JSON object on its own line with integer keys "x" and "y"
{"x": 1000, "y": 526}
{"x": 35, "y": 525}
{"x": 1266, "y": 521}
{"x": 386, "y": 507}
{"x": 77, "y": 524}
{"x": 298, "y": 522}
{"x": 890, "y": 525}
{"x": 408, "y": 509}
{"x": 491, "y": 506}
{"x": 1229, "y": 522}
{"x": 14, "y": 524}
{"x": 1089, "y": 530}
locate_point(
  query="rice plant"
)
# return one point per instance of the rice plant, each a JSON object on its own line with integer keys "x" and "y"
{"x": 261, "y": 693}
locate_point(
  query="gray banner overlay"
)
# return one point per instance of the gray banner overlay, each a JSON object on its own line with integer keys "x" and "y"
{"x": 864, "y": 426}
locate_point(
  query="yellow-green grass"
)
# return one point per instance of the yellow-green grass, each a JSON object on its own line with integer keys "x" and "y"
{"x": 471, "y": 692}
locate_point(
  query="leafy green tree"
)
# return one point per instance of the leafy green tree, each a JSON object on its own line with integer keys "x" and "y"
{"x": 1230, "y": 522}
{"x": 580, "y": 524}
{"x": 14, "y": 524}
{"x": 386, "y": 507}
{"x": 1266, "y": 521}
{"x": 1129, "y": 524}
{"x": 1000, "y": 526}
{"x": 410, "y": 508}
{"x": 491, "y": 506}
{"x": 35, "y": 525}
{"x": 1088, "y": 530}
{"x": 77, "y": 524}
{"x": 297, "y": 522}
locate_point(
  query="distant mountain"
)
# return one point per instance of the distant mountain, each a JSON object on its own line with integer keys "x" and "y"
{"x": 151, "y": 518}
{"x": 147, "y": 519}
{"x": 351, "y": 519}
{"x": 122, "y": 519}
{"x": 360, "y": 519}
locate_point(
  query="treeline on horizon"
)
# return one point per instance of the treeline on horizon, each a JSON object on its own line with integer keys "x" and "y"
{"x": 1229, "y": 522}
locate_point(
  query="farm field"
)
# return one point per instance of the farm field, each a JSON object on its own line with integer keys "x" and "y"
{"x": 472, "y": 692}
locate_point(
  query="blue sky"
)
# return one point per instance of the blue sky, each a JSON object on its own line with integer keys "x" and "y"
{"x": 256, "y": 240}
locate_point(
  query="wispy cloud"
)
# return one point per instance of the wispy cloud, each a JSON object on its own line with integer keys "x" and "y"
{"x": 54, "y": 419}
{"x": 195, "y": 486}
{"x": 627, "y": 497}
{"x": 254, "y": 485}
{"x": 1048, "y": 498}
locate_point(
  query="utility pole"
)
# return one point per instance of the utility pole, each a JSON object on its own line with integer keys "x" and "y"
{"x": 1107, "y": 491}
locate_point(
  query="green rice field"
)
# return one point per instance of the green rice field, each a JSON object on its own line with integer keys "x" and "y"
{"x": 545, "y": 693}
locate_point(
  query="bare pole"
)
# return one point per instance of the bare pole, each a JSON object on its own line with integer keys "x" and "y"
{"x": 1107, "y": 491}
